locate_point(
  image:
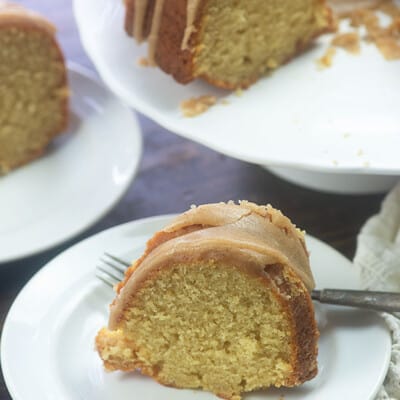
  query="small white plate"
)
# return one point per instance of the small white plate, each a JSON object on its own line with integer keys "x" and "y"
{"x": 341, "y": 120}
{"x": 47, "y": 345}
{"x": 81, "y": 177}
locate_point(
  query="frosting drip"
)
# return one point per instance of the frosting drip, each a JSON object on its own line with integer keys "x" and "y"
{"x": 191, "y": 13}
{"x": 139, "y": 17}
{"x": 155, "y": 27}
{"x": 138, "y": 22}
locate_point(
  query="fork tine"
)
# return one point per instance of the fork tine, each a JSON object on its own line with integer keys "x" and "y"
{"x": 123, "y": 262}
{"x": 114, "y": 266}
{"x": 106, "y": 278}
{"x": 112, "y": 270}
{"x": 113, "y": 274}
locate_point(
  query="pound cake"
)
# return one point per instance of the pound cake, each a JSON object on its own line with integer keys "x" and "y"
{"x": 33, "y": 86}
{"x": 229, "y": 43}
{"x": 220, "y": 300}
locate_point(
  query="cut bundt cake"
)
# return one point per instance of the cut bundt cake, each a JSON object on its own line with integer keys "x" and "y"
{"x": 219, "y": 301}
{"x": 33, "y": 86}
{"x": 230, "y": 43}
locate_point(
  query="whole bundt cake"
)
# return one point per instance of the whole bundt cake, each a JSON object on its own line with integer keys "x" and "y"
{"x": 230, "y": 43}
{"x": 33, "y": 86}
{"x": 218, "y": 301}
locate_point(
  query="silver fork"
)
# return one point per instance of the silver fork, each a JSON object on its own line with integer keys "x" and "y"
{"x": 113, "y": 268}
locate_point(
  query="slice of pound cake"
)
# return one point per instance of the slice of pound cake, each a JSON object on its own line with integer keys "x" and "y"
{"x": 33, "y": 86}
{"x": 220, "y": 300}
{"x": 230, "y": 43}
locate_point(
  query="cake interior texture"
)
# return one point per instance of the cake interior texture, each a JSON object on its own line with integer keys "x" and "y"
{"x": 33, "y": 93}
{"x": 240, "y": 40}
{"x": 212, "y": 326}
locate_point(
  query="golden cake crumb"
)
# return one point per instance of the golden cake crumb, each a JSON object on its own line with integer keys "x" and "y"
{"x": 143, "y": 62}
{"x": 326, "y": 60}
{"x": 365, "y": 17}
{"x": 389, "y": 8}
{"x": 389, "y": 47}
{"x": 386, "y": 39}
{"x": 347, "y": 41}
{"x": 197, "y": 105}
{"x": 394, "y": 28}
{"x": 239, "y": 92}
{"x": 343, "y": 8}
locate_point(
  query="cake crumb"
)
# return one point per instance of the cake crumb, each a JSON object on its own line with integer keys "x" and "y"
{"x": 197, "y": 105}
{"x": 326, "y": 60}
{"x": 239, "y": 92}
{"x": 347, "y": 41}
{"x": 335, "y": 163}
{"x": 224, "y": 102}
{"x": 365, "y": 17}
{"x": 386, "y": 39}
{"x": 346, "y": 135}
{"x": 366, "y": 164}
{"x": 389, "y": 8}
{"x": 143, "y": 62}
{"x": 360, "y": 153}
{"x": 389, "y": 47}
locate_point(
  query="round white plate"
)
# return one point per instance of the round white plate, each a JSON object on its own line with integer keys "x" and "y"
{"x": 81, "y": 177}
{"x": 343, "y": 119}
{"x": 47, "y": 345}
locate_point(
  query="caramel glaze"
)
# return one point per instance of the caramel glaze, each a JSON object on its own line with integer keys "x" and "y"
{"x": 138, "y": 29}
{"x": 250, "y": 236}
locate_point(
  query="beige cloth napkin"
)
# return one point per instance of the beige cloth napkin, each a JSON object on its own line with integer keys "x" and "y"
{"x": 378, "y": 261}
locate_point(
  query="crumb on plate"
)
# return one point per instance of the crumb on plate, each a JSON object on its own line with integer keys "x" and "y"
{"x": 239, "y": 92}
{"x": 143, "y": 62}
{"x": 389, "y": 8}
{"x": 385, "y": 38}
{"x": 389, "y": 47}
{"x": 326, "y": 60}
{"x": 197, "y": 105}
{"x": 347, "y": 41}
{"x": 364, "y": 17}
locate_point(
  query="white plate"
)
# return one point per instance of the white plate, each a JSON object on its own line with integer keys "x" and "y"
{"x": 343, "y": 119}
{"x": 81, "y": 177}
{"x": 47, "y": 346}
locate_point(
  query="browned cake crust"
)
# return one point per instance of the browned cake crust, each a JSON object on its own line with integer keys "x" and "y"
{"x": 130, "y": 15}
{"x": 16, "y": 18}
{"x": 169, "y": 55}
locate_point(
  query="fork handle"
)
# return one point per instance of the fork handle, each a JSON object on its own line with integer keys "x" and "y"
{"x": 379, "y": 301}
